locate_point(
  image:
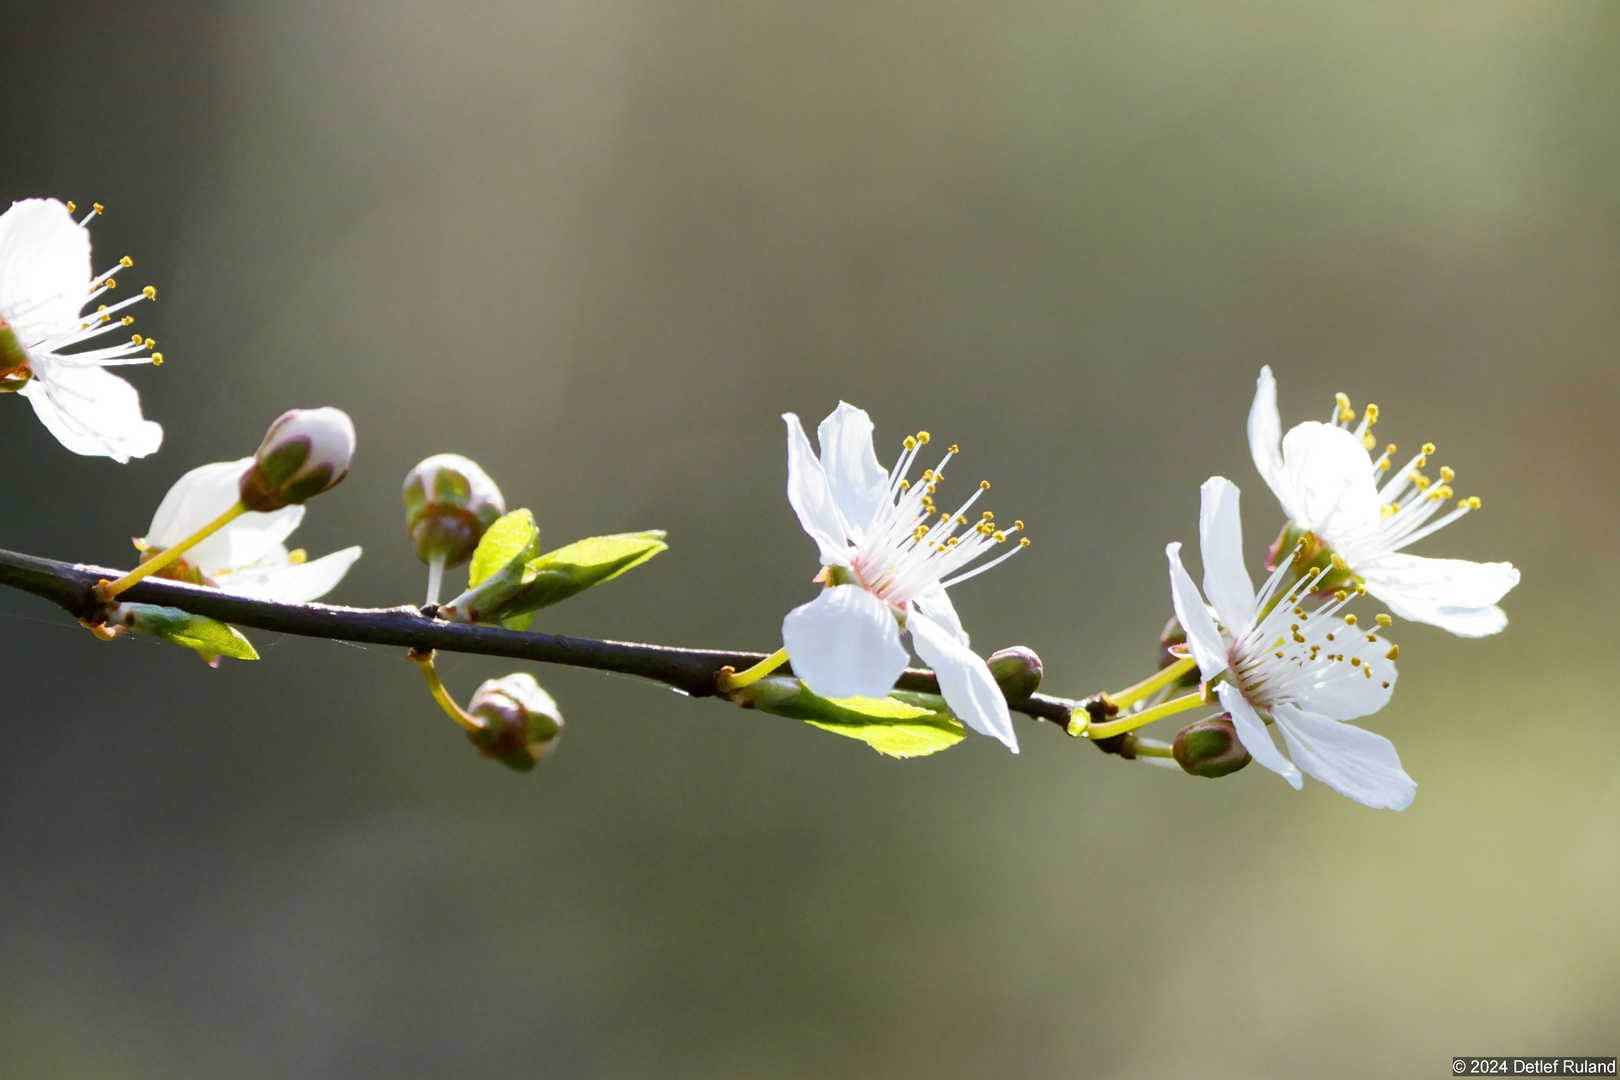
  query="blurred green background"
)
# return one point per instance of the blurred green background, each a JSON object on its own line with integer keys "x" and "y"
{"x": 599, "y": 245}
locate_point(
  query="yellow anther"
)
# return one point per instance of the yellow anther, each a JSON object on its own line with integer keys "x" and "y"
{"x": 1278, "y": 655}
{"x": 101, "y": 307}
{"x": 910, "y": 443}
{"x": 1391, "y": 510}
{"x": 1343, "y": 401}
{"x": 111, "y": 283}
{"x": 1355, "y": 661}
{"x": 149, "y": 292}
{"x": 1330, "y": 637}
{"x": 128, "y": 319}
{"x": 1472, "y": 502}
{"x": 905, "y": 485}
{"x": 919, "y": 532}
{"x": 136, "y": 340}
{"x": 928, "y": 474}
{"x": 955, "y": 449}
{"x": 1339, "y": 563}
{"x": 1383, "y": 620}
{"x": 1299, "y": 639}
{"x": 984, "y": 485}
{"x": 1367, "y": 441}
{"x": 988, "y": 516}
{"x": 1390, "y": 449}
{"x": 1295, "y": 628}
{"x": 1361, "y": 589}
{"x": 1350, "y": 620}
{"x": 157, "y": 359}
{"x": 1341, "y": 596}
{"x": 1023, "y": 542}
{"x": 71, "y": 207}
{"x": 149, "y": 343}
{"x": 1017, "y": 525}
{"x": 999, "y": 536}
{"x": 1394, "y": 651}
{"x": 126, "y": 262}
{"x": 1372, "y": 413}
{"x": 1386, "y": 685}
{"x": 1447, "y": 474}
{"x": 297, "y": 555}
{"x": 98, "y": 208}
{"x": 922, "y": 437}
{"x": 1428, "y": 448}
{"x": 1372, "y": 637}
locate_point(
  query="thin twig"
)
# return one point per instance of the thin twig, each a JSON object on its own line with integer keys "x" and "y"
{"x": 71, "y": 587}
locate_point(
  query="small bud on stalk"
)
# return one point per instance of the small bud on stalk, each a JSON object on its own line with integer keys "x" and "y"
{"x": 449, "y": 504}
{"x": 1210, "y": 748}
{"x": 521, "y": 722}
{"x": 305, "y": 452}
{"x": 1017, "y": 671}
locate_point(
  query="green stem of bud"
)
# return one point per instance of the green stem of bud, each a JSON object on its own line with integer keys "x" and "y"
{"x": 424, "y": 661}
{"x": 435, "y": 579}
{"x": 106, "y": 590}
{"x": 1154, "y": 748}
{"x": 727, "y": 680}
{"x": 1132, "y": 694}
{"x": 1145, "y": 717}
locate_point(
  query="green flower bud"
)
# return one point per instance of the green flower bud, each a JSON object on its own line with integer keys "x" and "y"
{"x": 449, "y": 504}
{"x": 521, "y": 721}
{"x": 1017, "y": 671}
{"x": 1210, "y": 748}
{"x": 305, "y": 452}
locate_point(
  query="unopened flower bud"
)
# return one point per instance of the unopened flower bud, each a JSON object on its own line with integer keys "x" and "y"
{"x": 305, "y": 452}
{"x": 521, "y": 721}
{"x": 1017, "y": 671}
{"x": 1210, "y": 748}
{"x": 449, "y": 503}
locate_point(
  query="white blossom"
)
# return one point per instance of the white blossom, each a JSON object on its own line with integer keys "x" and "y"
{"x": 1327, "y": 479}
{"x": 1305, "y": 671}
{"x": 247, "y": 556}
{"x": 45, "y": 285}
{"x": 888, "y": 555}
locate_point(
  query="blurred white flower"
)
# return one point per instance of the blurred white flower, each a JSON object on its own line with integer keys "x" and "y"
{"x": 1327, "y": 481}
{"x": 45, "y": 283}
{"x": 1306, "y": 671}
{"x": 247, "y": 556}
{"x": 886, "y": 566}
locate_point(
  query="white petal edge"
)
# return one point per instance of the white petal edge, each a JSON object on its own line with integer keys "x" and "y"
{"x": 964, "y": 680}
{"x": 1352, "y": 761}
{"x": 845, "y": 643}
{"x": 811, "y": 497}
{"x": 1203, "y": 638}
{"x": 1453, "y": 594}
{"x": 91, "y": 411}
{"x": 1330, "y": 483}
{"x": 1220, "y": 545}
{"x": 935, "y": 604}
{"x": 44, "y": 269}
{"x": 1265, "y": 438}
{"x": 1253, "y": 735}
{"x": 859, "y": 484}
{"x": 291, "y": 583}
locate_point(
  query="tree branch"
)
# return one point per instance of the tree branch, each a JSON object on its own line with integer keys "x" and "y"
{"x": 691, "y": 671}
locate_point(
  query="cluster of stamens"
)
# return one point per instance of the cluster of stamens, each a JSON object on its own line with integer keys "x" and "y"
{"x": 1409, "y": 499}
{"x": 1289, "y": 650}
{"x": 911, "y": 544}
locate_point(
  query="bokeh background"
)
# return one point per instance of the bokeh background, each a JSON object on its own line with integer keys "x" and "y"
{"x": 599, "y": 245}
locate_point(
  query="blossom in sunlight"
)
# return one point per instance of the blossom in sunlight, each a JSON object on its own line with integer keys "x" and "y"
{"x": 888, "y": 555}
{"x": 45, "y": 285}
{"x": 246, "y": 556}
{"x": 1328, "y": 481}
{"x": 1306, "y": 672}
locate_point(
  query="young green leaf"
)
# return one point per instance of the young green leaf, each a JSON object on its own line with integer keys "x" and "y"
{"x": 569, "y": 570}
{"x": 901, "y": 725}
{"x": 511, "y": 536}
{"x": 208, "y": 636}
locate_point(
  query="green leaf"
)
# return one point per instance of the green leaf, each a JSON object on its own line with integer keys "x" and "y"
{"x": 511, "y": 536}
{"x": 208, "y": 636}
{"x": 569, "y": 570}
{"x": 902, "y": 725}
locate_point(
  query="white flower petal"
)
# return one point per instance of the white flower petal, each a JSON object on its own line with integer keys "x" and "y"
{"x": 1203, "y": 638}
{"x": 1220, "y": 541}
{"x": 275, "y": 578}
{"x": 44, "y": 269}
{"x": 199, "y": 497}
{"x": 935, "y": 604}
{"x": 859, "y": 484}
{"x": 1253, "y": 735}
{"x": 845, "y": 643}
{"x": 811, "y": 497}
{"x": 964, "y": 680}
{"x": 1265, "y": 438}
{"x": 1329, "y": 483}
{"x": 90, "y": 411}
{"x": 1345, "y": 690}
{"x": 1352, "y": 761}
{"x": 1453, "y": 594}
